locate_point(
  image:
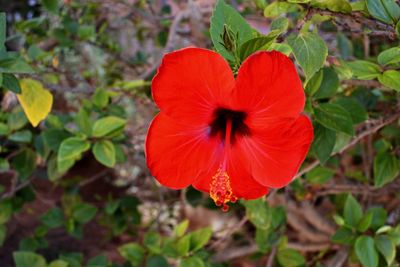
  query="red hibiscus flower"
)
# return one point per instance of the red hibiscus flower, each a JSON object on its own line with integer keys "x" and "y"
{"x": 232, "y": 138}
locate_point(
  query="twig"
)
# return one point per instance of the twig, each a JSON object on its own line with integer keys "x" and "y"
{"x": 93, "y": 178}
{"x": 270, "y": 262}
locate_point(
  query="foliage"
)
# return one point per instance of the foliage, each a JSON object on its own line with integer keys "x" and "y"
{"x": 76, "y": 104}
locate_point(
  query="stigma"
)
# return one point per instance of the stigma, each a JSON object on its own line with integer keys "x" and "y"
{"x": 221, "y": 190}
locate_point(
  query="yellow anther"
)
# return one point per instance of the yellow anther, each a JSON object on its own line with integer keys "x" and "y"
{"x": 221, "y": 190}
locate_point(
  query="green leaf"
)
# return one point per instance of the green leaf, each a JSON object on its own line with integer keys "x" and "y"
{"x": 333, "y": 5}
{"x": 364, "y": 70}
{"x": 356, "y": 110}
{"x": 343, "y": 235}
{"x": 329, "y": 84}
{"x": 100, "y": 98}
{"x": 379, "y": 216}
{"x": 28, "y": 259}
{"x": 389, "y": 56}
{"x": 181, "y": 228}
{"x": 98, "y": 261}
{"x": 132, "y": 252}
{"x": 157, "y": 261}
{"x": 104, "y": 152}
{"x": 51, "y": 5}
{"x": 334, "y": 117}
{"x": 15, "y": 65}
{"x": 107, "y": 126}
{"x": 365, "y": 222}
{"x": 386, "y": 247}
{"x": 324, "y": 142}
{"x": 59, "y": 263}
{"x": 319, "y": 175}
{"x": 314, "y": 83}
{"x": 366, "y": 252}
{"x": 6, "y": 211}
{"x": 84, "y": 212}
{"x": 352, "y": 212}
{"x": 279, "y": 25}
{"x": 53, "y": 218}
{"x": 24, "y": 163}
{"x": 83, "y": 121}
{"x": 71, "y": 150}
{"x": 3, "y": 22}
{"x": 10, "y": 82}
{"x": 255, "y": 44}
{"x": 183, "y": 245}
{"x": 277, "y": 8}
{"x": 344, "y": 45}
{"x": 152, "y": 241}
{"x": 384, "y": 10}
{"x": 193, "y": 261}
{"x": 258, "y": 213}
{"x": 199, "y": 238}
{"x": 290, "y": 258}
{"x": 224, "y": 14}
{"x": 35, "y": 100}
{"x": 391, "y": 79}
{"x": 24, "y": 136}
{"x": 309, "y": 50}
{"x": 386, "y": 169}
{"x": 3, "y": 234}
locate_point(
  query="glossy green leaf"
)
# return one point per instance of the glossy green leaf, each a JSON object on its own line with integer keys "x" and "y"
{"x": 364, "y": 70}
{"x": 104, "y": 152}
{"x": 108, "y": 126}
{"x": 333, "y": 5}
{"x": 319, "y": 175}
{"x": 343, "y": 235}
{"x": 277, "y": 8}
{"x": 258, "y": 212}
{"x": 132, "y": 252}
{"x": 365, "y": 222}
{"x": 379, "y": 217}
{"x": 366, "y": 252}
{"x": 334, "y": 117}
{"x": 71, "y": 150}
{"x": 389, "y": 56}
{"x": 83, "y": 121}
{"x": 391, "y": 79}
{"x": 386, "y": 169}
{"x": 254, "y": 45}
{"x": 309, "y": 50}
{"x": 384, "y": 10}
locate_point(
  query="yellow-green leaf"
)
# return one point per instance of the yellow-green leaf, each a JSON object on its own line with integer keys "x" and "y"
{"x": 35, "y": 100}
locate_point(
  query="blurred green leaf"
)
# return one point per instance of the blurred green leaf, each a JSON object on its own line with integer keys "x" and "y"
{"x": 386, "y": 247}
{"x": 356, "y": 110}
{"x": 319, "y": 175}
{"x": 157, "y": 261}
{"x": 343, "y": 235}
{"x": 386, "y": 169}
{"x": 390, "y": 79}
{"x": 58, "y": 263}
{"x": 329, "y": 84}
{"x": 28, "y": 259}
{"x": 324, "y": 142}
{"x": 334, "y": 5}
{"x": 10, "y": 82}
{"x": 199, "y": 238}
{"x": 258, "y": 213}
{"x": 181, "y": 228}
{"x": 192, "y": 262}
{"x": 379, "y": 216}
{"x": 364, "y": 70}
{"x": 107, "y": 126}
{"x": 53, "y": 218}
{"x": 98, "y": 261}
{"x": 3, "y": 234}
{"x": 366, "y": 252}
{"x": 84, "y": 212}
{"x": 365, "y": 222}
{"x": 2, "y": 29}
{"x": 389, "y": 56}
{"x": 352, "y": 212}
{"x": 133, "y": 253}
{"x": 51, "y": 5}
{"x": 290, "y": 258}
{"x": 24, "y": 163}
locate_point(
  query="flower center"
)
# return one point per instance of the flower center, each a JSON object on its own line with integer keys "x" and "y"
{"x": 221, "y": 117}
{"x": 220, "y": 189}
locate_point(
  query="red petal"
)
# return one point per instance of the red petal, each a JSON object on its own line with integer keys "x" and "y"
{"x": 269, "y": 89}
{"x": 176, "y": 153}
{"x": 275, "y": 155}
{"x": 242, "y": 183}
{"x": 190, "y": 82}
